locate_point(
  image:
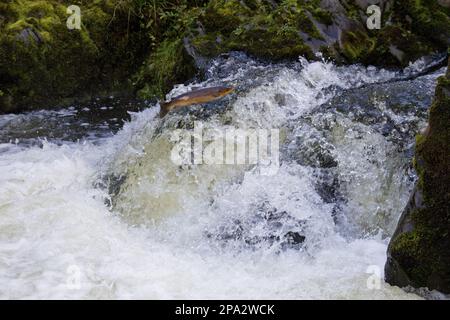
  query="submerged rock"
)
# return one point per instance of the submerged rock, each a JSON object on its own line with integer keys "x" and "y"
{"x": 265, "y": 226}
{"x": 419, "y": 251}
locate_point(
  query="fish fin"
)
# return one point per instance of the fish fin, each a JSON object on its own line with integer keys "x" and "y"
{"x": 165, "y": 108}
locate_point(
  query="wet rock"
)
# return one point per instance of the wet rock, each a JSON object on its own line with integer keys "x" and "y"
{"x": 139, "y": 54}
{"x": 174, "y": 61}
{"x": 200, "y": 61}
{"x": 335, "y": 28}
{"x": 265, "y": 226}
{"x": 419, "y": 251}
{"x": 309, "y": 148}
{"x": 29, "y": 35}
{"x": 43, "y": 64}
{"x": 384, "y": 107}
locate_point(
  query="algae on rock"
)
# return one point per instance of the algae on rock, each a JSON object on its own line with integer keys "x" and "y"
{"x": 286, "y": 29}
{"x": 146, "y": 46}
{"x": 43, "y": 63}
{"x": 419, "y": 251}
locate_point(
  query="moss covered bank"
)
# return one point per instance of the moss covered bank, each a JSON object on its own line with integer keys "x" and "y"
{"x": 145, "y": 46}
{"x": 43, "y": 63}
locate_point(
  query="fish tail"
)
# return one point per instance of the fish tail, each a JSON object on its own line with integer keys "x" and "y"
{"x": 165, "y": 108}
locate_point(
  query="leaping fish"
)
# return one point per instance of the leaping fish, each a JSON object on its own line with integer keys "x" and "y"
{"x": 194, "y": 97}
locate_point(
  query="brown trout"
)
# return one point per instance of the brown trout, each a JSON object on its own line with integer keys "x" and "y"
{"x": 194, "y": 97}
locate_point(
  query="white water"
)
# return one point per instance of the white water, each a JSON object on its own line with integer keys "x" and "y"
{"x": 56, "y": 229}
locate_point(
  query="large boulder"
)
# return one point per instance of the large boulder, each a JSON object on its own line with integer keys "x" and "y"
{"x": 419, "y": 251}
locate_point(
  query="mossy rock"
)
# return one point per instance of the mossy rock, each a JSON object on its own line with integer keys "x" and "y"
{"x": 424, "y": 18}
{"x": 258, "y": 28}
{"x": 170, "y": 64}
{"x": 225, "y": 15}
{"x": 121, "y": 43}
{"x": 270, "y": 29}
{"x": 396, "y": 46}
{"x": 209, "y": 45}
{"x": 43, "y": 63}
{"x": 419, "y": 251}
{"x": 356, "y": 45}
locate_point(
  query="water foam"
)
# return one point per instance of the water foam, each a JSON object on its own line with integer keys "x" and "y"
{"x": 59, "y": 238}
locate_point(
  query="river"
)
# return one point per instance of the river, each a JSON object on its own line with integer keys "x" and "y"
{"x": 92, "y": 207}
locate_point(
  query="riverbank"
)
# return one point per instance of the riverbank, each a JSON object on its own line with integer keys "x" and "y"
{"x": 135, "y": 48}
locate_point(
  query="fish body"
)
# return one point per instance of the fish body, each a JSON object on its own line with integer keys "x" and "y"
{"x": 195, "y": 97}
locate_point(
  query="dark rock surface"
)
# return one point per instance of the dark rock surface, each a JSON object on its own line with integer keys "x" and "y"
{"x": 419, "y": 251}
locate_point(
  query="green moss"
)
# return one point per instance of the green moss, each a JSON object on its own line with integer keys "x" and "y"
{"x": 168, "y": 65}
{"x": 352, "y": 9}
{"x": 423, "y": 252}
{"x": 225, "y": 15}
{"x": 260, "y": 30}
{"x": 410, "y": 247}
{"x": 426, "y": 18}
{"x": 209, "y": 44}
{"x": 235, "y": 24}
{"x": 269, "y": 43}
{"x": 357, "y": 45}
{"x": 307, "y": 26}
{"x": 322, "y": 16}
{"x": 117, "y": 36}
{"x": 42, "y": 63}
{"x": 395, "y": 38}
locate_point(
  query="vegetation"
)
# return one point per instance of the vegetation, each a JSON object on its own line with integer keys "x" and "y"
{"x": 420, "y": 252}
{"x": 43, "y": 63}
{"x": 139, "y": 46}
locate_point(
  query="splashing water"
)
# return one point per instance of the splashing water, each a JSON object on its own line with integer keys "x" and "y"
{"x": 111, "y": 216}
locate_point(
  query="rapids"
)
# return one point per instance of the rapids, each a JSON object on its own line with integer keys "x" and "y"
{"x": 91, "y": 206}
